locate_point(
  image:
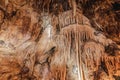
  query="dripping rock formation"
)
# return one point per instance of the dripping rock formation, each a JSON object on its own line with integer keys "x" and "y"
{"x": 59, "y": 40}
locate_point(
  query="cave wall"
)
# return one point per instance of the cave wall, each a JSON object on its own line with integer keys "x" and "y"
{"x": 36, "y": 45}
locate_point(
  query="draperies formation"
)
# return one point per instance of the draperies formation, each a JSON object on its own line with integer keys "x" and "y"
{"x": 81, "y": 47}
{"x": 53, "y": 47}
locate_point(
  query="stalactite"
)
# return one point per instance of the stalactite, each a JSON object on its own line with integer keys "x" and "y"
{"x": 84, "y": 35}
{"x": 37, "y": 44}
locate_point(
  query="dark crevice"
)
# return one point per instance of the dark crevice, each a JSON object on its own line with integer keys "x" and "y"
{"x": 116, "y": 77}
{"x": 104, "y": 67}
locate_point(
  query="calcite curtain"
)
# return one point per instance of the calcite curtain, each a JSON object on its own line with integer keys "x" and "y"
{"x": 37, "y": 45}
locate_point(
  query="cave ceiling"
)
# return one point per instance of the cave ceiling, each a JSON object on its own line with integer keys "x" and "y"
{"x": 59, "y": 40}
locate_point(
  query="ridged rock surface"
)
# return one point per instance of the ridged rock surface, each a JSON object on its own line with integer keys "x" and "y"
{"x": 41, "y": 45}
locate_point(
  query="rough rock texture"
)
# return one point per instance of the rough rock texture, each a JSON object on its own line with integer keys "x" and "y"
{"x": 53, "y": 40}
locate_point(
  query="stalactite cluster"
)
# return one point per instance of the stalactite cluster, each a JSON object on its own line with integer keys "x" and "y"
{"x": 59, "y": 40}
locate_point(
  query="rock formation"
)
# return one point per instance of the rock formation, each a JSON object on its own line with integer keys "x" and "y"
{"x": 59, "y": 40}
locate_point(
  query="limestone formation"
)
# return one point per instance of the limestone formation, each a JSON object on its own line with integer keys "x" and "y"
{"x": 59, "y": 40}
